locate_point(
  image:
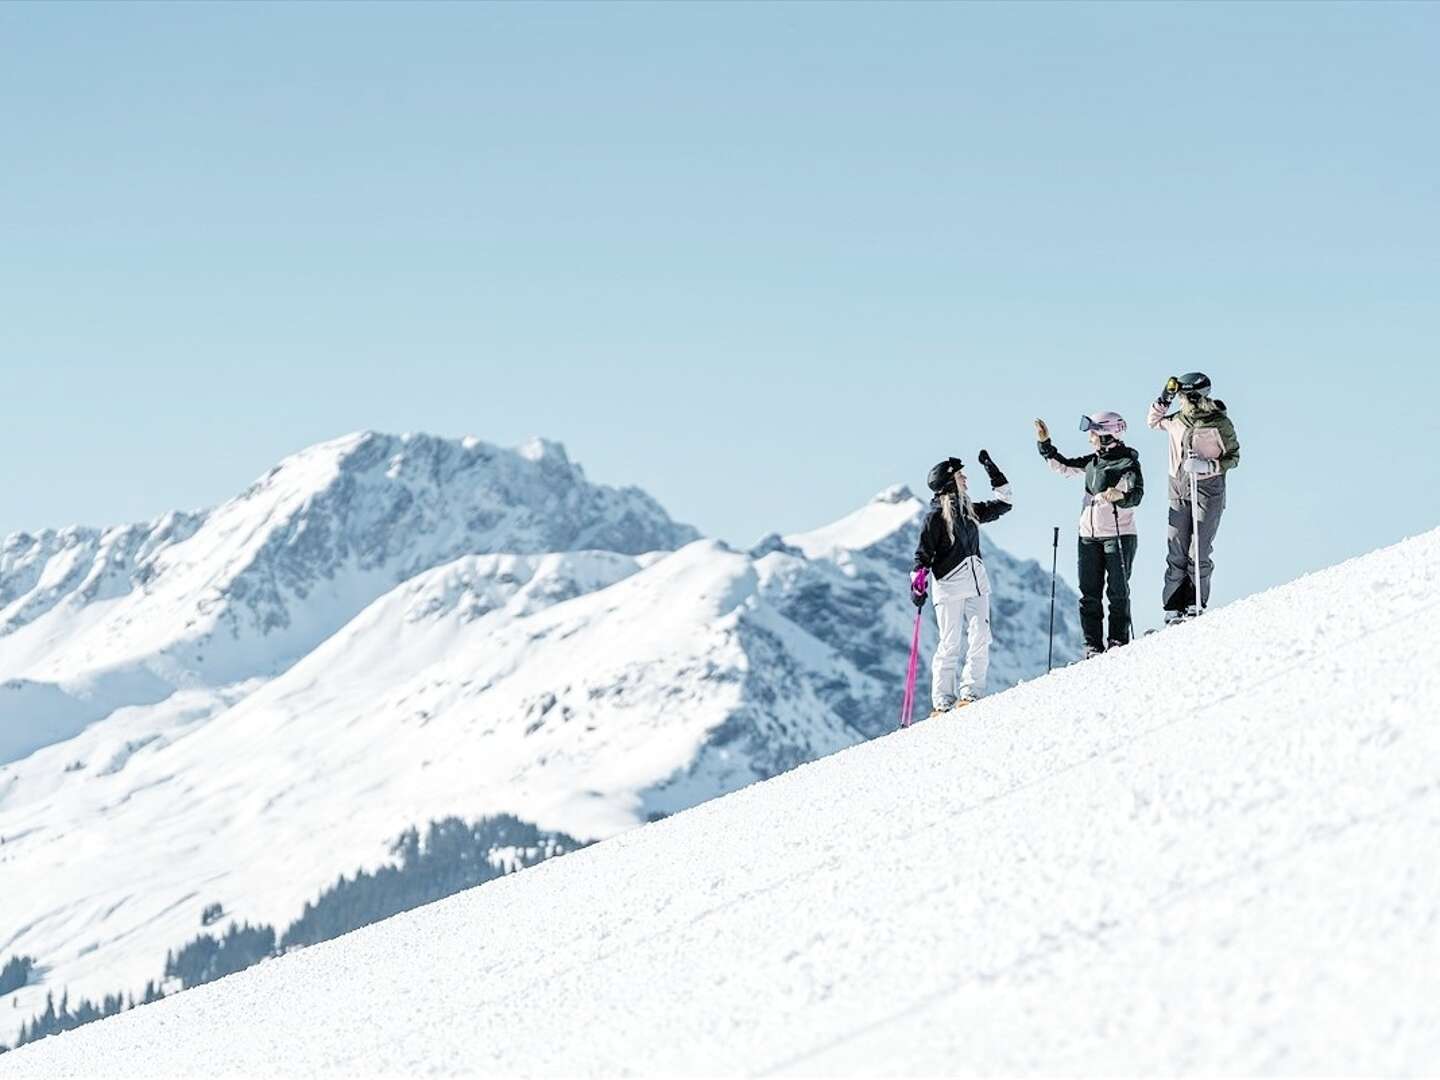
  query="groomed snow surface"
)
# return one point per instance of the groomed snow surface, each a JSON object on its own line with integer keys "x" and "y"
{"x": 1212, "y": 852}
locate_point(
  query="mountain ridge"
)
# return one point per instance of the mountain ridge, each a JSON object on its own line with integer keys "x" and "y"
{"x": 248, "y": 586}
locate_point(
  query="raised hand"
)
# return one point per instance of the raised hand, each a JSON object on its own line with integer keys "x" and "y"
{"x": 1042, "y": 433}
{"x": 997, "y": 478}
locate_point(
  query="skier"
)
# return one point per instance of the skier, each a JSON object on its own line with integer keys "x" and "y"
{"x": 1203, "y": 448}
{"x": 1114, "y": 486}
{"x": 949, "y": 552}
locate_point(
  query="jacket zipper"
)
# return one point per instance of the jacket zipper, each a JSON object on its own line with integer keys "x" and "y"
{"x": 976, "y": 556}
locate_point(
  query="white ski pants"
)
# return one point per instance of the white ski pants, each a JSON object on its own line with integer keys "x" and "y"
{"x": 959, "y": 611}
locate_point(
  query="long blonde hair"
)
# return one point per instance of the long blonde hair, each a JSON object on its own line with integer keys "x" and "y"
{"x": 954, "y": 505}
{"x": 1202, "y": 407}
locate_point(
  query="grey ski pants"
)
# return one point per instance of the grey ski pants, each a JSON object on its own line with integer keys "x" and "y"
{"x": 1179, "y": 588}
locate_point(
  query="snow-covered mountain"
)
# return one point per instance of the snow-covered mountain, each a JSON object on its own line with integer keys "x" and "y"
{"x": 1211, "y": 853}
{"x": 397, "y": 632}
{"x": 129, "y": 615}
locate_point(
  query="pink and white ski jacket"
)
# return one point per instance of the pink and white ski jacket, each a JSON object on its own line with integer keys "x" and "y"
{"x": 1100, "y": 519}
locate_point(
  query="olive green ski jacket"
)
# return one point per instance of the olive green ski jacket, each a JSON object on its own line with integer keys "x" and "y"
{"x": 1206, "y": 433}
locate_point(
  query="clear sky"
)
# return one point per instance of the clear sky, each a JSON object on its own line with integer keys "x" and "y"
{"x": 761, "y": 260}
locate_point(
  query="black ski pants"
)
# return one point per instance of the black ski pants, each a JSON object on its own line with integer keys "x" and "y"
{"x": 1106, "y": 562}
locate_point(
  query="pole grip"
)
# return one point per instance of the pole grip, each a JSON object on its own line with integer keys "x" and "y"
{"x": 1056, "y": 542}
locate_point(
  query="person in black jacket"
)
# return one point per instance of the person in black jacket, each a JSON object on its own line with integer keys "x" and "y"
{"x": 1113, "y": 488}
{"x": 949, "y": 552}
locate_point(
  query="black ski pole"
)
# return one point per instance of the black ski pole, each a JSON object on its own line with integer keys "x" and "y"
{"x": 1199, "y": 604}
{"x": 1054, "y": 562}
{"x": 1125, "y": 567}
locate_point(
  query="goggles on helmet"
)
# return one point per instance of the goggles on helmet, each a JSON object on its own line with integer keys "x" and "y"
{"x": 1195, "y": 385}
{"x": 1103, "y": 424}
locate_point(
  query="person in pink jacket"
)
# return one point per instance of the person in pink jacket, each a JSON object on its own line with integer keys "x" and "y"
{"x": 1203, "y": 450}
{"x": 1114, "y": 487}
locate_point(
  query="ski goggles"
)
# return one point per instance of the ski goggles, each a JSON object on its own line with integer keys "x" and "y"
{"x": 1194, "y": 387}
{"x": 1104, "y": 427}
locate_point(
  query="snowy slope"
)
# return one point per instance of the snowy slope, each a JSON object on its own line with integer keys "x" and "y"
{"x": 1212, "y": 852}
{"x": 38, "y": 714}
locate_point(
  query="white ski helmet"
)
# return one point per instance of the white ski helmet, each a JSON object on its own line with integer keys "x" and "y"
{"x": 1105, "y": 422}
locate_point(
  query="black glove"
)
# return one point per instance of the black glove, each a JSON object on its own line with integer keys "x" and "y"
{"x": 918, "y": 598}
{"x": 996, "y": 476}
{"x": 1172, "y": 387}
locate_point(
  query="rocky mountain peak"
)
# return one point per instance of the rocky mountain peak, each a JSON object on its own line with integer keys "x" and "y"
{"x": 895, "y": 494}
{"x": 302, "y": 550}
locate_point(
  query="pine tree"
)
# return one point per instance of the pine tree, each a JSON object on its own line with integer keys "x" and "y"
{"x": 16, "y": 973}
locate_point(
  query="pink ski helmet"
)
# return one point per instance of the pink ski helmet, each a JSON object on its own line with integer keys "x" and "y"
{"x": 1106, "y": 423}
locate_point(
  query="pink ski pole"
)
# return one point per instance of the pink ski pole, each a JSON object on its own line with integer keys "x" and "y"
{"x": 907, "y": 708}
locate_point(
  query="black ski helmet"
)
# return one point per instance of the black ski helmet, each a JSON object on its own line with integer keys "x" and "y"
{"x": 943, "y": 474}
{"x": 1195, "y": 384}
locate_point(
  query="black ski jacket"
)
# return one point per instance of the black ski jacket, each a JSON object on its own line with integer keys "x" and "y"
{"x": 937, "y": 552}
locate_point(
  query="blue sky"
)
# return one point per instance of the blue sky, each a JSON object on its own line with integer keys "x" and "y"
{"x": 762, "y": 260}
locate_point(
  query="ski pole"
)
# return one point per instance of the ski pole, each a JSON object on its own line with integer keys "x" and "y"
{"x": 1125, "y": 567}
{"x": 1195, "y": 535}
{"x": 907, "y": 706}
{"x": 1054, "y": 562}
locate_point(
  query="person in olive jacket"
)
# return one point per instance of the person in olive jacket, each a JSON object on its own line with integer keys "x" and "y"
{"x": 1203, "y": 450}
{"x": 1114, "y": 486}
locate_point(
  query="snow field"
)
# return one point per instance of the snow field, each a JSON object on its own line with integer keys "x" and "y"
{"x": 1212, "y": 852}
